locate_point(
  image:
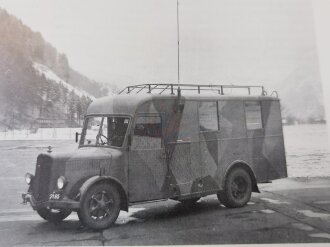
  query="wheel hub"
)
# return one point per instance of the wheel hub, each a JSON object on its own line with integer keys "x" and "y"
{"x": 100, "y": 205}
{"x": 239, "y": 187}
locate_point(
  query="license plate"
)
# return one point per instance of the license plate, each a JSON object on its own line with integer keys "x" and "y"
{"x": 54, "y": 196}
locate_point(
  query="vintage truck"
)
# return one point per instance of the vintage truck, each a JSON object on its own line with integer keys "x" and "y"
{"x": 158, "y": 142}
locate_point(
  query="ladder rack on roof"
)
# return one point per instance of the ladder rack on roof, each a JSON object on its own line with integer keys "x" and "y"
{"x": 167, "y": 87}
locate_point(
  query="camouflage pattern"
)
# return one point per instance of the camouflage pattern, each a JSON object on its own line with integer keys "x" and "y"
{"x": 188, "y": 162}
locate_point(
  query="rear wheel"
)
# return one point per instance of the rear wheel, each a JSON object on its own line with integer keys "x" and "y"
{"x": 237, "y": 190}
{"x": 100, "y": 206}
{"x": 54, "y": 215}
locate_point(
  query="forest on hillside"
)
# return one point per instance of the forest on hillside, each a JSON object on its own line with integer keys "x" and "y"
{"x": 28, "y": 98}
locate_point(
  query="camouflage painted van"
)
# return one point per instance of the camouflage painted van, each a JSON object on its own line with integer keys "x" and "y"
{"x": 158, "y": 142}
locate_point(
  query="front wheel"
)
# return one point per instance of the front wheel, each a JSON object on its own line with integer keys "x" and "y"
{"x": 54, "y": 215}
{"x": 100, "y": 206}
{"x": 237, "y": 190}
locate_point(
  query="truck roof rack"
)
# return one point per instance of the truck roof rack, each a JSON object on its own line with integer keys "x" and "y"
{"x": 172, "y": 88}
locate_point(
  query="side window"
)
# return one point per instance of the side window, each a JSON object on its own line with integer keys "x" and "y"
{"x": 208, "y": 116}
{"x": 253, "y": 115}
{"x": 117, "y": 127}
{"x": 147, "y": 133}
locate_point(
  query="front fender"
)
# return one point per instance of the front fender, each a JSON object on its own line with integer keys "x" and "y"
{"x": 96, "y": 179}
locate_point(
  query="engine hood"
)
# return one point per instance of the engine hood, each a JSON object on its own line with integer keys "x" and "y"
{"x": 85, "y": 154}
{"x": 87, "y": 161}
{"x": 80, "y": 165}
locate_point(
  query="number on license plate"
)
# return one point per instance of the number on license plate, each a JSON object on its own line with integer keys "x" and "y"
{"x": 54, "y": 196}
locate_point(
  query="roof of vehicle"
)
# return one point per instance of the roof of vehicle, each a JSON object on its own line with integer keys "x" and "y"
{"x": 128, "y": 103}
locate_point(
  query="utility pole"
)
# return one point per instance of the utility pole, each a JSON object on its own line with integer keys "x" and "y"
{"x": 178, "y": 36}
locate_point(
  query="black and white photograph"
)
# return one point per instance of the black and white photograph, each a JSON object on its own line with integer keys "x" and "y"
{"x": 164, "y": 122}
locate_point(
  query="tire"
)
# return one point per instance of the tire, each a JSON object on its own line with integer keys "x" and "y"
{"x": 54, "y": 215}
{"x": 100, "y": 206}
{"x": 237, "y": 190}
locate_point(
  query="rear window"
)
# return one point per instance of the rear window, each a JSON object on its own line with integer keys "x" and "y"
{"x": 253, "y": 115}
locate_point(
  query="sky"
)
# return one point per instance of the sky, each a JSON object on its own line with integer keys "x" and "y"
{"x": 130, "y": 41}
{"x": 221, "y": 41}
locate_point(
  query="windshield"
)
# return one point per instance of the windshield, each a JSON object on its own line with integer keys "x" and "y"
{"x": 104, "y": 131}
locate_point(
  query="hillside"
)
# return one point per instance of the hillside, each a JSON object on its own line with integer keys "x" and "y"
{"x": 37, "y": 83}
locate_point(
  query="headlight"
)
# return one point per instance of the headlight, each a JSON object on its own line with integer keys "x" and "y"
{"x": 28, "y": 178}
{"x": 61, "y": 182}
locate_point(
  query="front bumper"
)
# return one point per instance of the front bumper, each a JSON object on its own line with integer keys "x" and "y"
{"x": 65, "y": 203}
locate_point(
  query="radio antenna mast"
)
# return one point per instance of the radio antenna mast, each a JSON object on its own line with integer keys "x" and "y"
{"x": 178, "y": 36}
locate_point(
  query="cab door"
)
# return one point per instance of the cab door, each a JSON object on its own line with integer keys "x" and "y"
{"x": 147, "y": 169}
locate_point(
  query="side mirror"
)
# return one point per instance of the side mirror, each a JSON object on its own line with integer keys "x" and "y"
{"x": 77, "y": 136}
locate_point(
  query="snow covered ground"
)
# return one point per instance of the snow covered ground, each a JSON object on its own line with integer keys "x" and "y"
{"x": 40, "y": 134}
{"x": 307, "y": 150}
{"x": 52, "y": 76}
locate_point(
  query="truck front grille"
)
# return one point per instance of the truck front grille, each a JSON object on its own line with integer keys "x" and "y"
{"x": 40, "y": 185}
